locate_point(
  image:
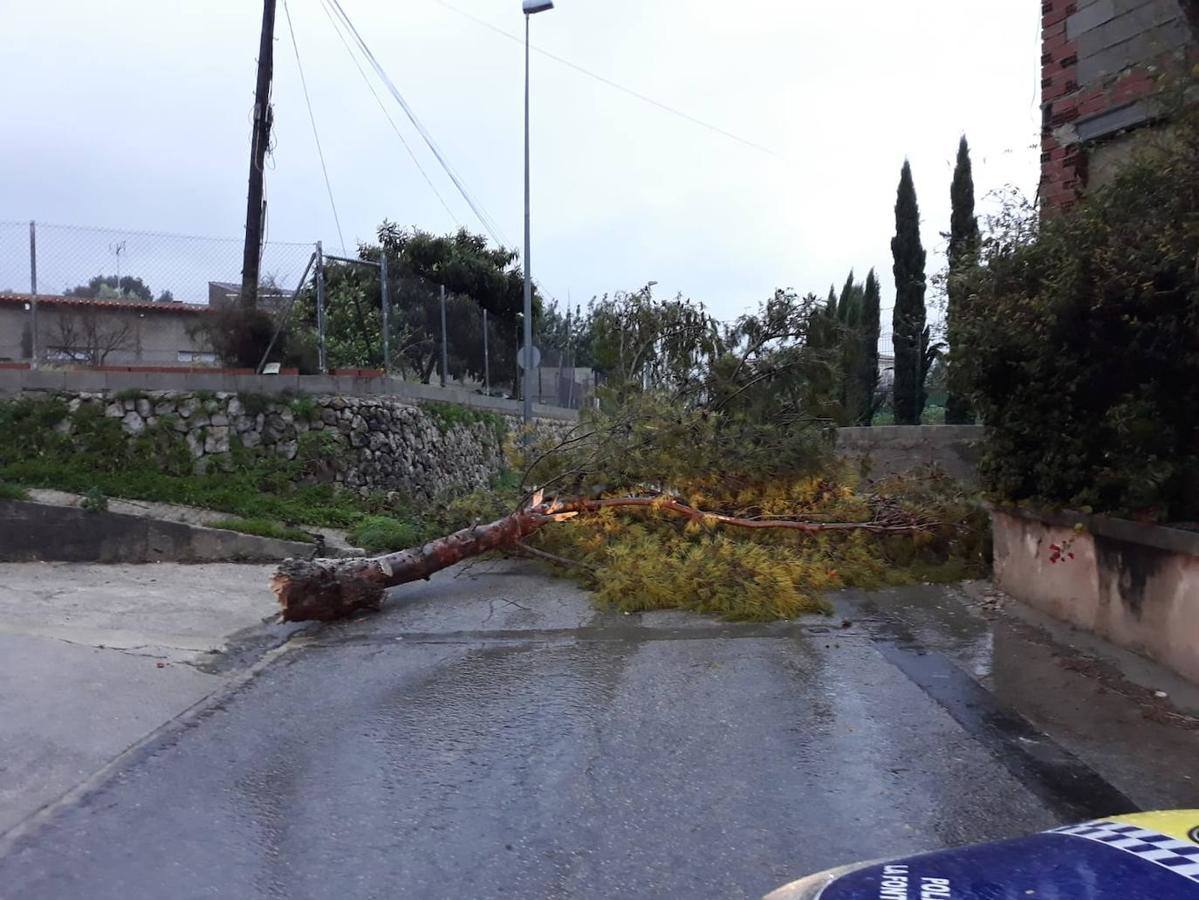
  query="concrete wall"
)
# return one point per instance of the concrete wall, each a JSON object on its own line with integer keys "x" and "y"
{"x": 34, "y": 531}
{"x": 899, "y": 449}
{"x": 17, "y": 381}
{"x": 1098, "y": 64}
{"x": 1132, "y": 584}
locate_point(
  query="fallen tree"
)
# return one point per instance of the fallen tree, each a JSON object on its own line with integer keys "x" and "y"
{"x": 703, "y": 479}
{"x": 329, "y": 589}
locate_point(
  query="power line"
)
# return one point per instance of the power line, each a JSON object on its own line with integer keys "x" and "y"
{"x": 315, "y": 133}
{"x": 476, "y": 207}
{"x": 609, "y": 82}
{"x": 387, "y": 115}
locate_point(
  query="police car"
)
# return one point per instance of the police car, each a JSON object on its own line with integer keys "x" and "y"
{"x": 1154, "y": 856}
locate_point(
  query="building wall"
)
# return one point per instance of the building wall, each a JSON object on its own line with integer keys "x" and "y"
{"x": 155, "y": 338}
{"x": 1099, "y": 62}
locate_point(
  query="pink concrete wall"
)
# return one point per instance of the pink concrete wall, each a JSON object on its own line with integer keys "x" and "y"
{"x": 1135, "y": 585}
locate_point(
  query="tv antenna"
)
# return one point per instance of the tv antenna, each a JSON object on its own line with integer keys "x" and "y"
{"x": 117, "y": 249}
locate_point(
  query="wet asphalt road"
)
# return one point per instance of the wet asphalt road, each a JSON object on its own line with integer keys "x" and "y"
{"x": 494, "y": 736}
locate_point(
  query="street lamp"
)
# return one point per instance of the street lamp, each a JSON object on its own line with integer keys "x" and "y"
{"x": 531, "y": 8}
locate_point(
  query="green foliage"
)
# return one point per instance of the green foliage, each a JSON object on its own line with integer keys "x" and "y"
{"x": 910, "y": 333}
{"x": 475, "y": 276}
{"x": 644, "y": 561}
{"x": 304, "y": 408}
{"x": 964, "y": 240}
{"x": 865, "y": 370}
{"x": 1081, "y": 342}
{"x": 238, "y": 335}
{"x": 109, "y": 287}
{"x": 255, "y": 404}
{"x": 385, "y": 534}
{"x": 263, "y": 528}
{"x": 95, "y": 453}
{"x": 12, "y": 492}
{"x": 130, "y": 394}
{"x": 450, "y": 415}
{"x": 639, "y": 341}
{"x": 94, "y": 500}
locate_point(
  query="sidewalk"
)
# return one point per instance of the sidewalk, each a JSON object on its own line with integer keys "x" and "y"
{"x": 93, "y": 658}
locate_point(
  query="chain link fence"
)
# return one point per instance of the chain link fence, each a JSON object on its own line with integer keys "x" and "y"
{"x": 112, "y": 263}
{"x": 86, "y": 296}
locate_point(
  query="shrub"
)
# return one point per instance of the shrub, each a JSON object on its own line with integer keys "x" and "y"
{"x": 1081, "y": 343}
{"x": 12, "y": 492}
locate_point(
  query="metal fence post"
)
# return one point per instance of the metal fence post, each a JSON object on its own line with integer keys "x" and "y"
{"x": 386, "y": 313}
{"x": 486, "y": 359}
{"x": 34, "y": 343}
{"x": 322, "y": 363}
{"x": 445, "y": 350}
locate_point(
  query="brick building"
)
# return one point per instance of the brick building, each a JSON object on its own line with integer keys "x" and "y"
{"x": 1099, "y": 63}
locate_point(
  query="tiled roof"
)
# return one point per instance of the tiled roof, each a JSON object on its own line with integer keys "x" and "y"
{"x": 126, "y": 305}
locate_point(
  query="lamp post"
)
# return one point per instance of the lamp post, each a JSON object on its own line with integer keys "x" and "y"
{"x": 531, "y": 8}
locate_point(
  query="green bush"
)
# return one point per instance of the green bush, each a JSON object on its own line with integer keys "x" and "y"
{"x": 1081, "y": 343}
{"x": 12, "y": 492}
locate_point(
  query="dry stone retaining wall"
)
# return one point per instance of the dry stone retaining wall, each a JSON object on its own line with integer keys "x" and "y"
{"x": 364, "y": 443}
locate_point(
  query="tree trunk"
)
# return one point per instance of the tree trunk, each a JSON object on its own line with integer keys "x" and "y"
{"x": 328, "y": 589}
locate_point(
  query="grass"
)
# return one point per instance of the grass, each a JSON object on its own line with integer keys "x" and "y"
{"x": 450, "y": 415}
{"x": 12, "y": 492}
{"x": 251, "y": 493}
{"x": 263, "y": 528}
{"x": 385, "y": 534}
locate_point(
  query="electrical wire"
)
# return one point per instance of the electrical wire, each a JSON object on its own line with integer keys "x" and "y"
{"x": 609, "y": 82}
{"x": 387, "y": 115}
{"x": 315, "y": 133}
{"x": 475, "y": 206}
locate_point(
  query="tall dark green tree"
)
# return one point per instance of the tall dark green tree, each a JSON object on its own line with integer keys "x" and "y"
{"x": 849, "y": 311}
{"x": 909, "y": 326}
{"x": 849, "y": 303}
{"x": 867, "y": 334}
{"x": 963, "y": 252}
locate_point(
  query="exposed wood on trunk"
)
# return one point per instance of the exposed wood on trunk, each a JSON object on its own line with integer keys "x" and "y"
{"x": 329, "y": 589}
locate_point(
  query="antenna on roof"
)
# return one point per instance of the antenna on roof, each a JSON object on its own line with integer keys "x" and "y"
{"x": 117, "y": 249}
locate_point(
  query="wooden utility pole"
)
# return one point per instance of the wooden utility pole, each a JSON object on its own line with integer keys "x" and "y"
{"x": 259, "y": 144}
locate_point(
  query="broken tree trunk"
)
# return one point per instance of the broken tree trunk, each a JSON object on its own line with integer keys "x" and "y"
{"x": 328, "y": 589}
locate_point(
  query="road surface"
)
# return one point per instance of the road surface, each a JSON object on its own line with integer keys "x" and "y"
{"x": 493, "y": 735}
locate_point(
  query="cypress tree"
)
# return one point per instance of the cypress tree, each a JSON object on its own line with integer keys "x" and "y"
{"x": 909, "y": 329}
{"x": 963, "y": 251}
{"x": 849, "y": 308}
{"x": 849, "y": 303}
{"x": 869, "y": 328}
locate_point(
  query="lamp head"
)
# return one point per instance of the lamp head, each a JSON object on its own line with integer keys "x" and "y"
{"x": 532, "y": 7}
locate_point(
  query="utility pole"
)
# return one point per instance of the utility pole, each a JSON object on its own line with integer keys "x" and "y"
{"x": 259, "y": 143}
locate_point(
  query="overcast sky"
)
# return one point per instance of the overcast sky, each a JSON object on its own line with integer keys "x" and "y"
{"x": 135, "y": 114}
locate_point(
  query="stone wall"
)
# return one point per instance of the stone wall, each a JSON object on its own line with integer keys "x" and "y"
{"x": 363, "y": 443}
